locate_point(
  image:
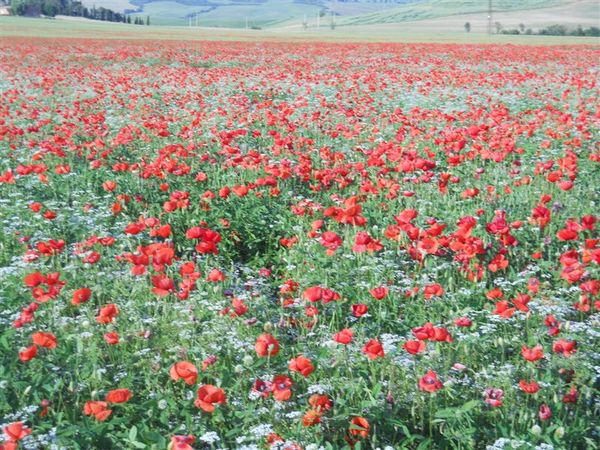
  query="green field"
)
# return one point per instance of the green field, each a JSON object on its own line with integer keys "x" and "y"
{"x": 280, "y": 13}
{"x": 11, "y": 27}
{"x": 441, "y": 8}
{"x": 269, "y": 14}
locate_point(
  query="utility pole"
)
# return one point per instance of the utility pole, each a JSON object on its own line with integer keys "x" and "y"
{"x": 490, "y": 10}
{"x": 246, "y": 22}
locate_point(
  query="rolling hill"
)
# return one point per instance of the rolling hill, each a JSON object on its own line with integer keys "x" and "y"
{"x": 322, "y": 13}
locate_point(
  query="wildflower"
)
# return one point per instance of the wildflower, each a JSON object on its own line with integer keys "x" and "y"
{"x": 118, "y": 396}
{"x": 373, "y": 349}
{"x": 208, "y": 396}
{"x": 266, "y": 345}
{"x": 184, "y": 370}
{"x": 429, "y": 382}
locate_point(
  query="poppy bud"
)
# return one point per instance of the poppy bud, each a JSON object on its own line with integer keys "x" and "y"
{"x": 545, "y": 412}
{"x": 267, "y": 327}
{"x": 536, "y": 430}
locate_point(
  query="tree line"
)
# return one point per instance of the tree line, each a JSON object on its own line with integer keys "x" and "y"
{"x": 552, "y": 30}
{"x": 52, "y": 8}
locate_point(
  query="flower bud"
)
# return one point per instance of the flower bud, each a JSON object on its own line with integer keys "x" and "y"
{"x": 559, "y": 433}
{"x": 536, "y": 430}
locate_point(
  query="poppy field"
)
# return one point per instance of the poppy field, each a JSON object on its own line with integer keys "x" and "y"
{"x": 242, "y": 245}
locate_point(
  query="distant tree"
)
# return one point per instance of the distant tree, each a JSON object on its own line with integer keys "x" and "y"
{"x": 128, "y": 19}
{"x": 554, "y": 30}
{"x": 522, "y": 27}
{"x": 498, "y": 26}
{"x": 592, "y": 31}
{"x": 26, "y": 8}
{"x": 147, "y": 20}
{"x": 468, "y": 27}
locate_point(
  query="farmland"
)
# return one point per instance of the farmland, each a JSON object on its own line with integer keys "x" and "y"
{"x": 281, "y": 13}
{"x": 297, "y": 245}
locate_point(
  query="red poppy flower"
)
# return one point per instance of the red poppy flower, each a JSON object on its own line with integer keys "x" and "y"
{"x": 266, "y": 345}
{"x": 359, "y": 310}
{"x": 331, "y": 241}
{"x": 363, "y": 242}
{"x": 47, "y": 340}
{"x": 111, "y": 338}
{"x": 28, "y": 354}
{"x": 118, "y": 396}
{"x": 429, "y": 382}
{"x": 344, "y": 336}
{"x": 208, "y": 396}
{"x": 373, "y": 349}
{"x": 493, "y": 397}
{"x": 262, "y": 388}
{"x": 532, "y": 354}
{"x": 34, "y": 279}
{"x": 215, "y": 275}
{"x": 16, "y": 431}
{"x": 567, "y": 348}
{"x": 359, "y": 427}
{"x": 433, "y": 290}
{"x": 545, "y": 412}
{"x": 320, "y": 402}
{"x": 530, "y": 387}
{"x": 313, "y": 294}
{"x": 311, "y": 417}
{"x": 463, "y": 322}
{"x": 81, "y": 296}
{"x": 184, "y": 370}
{"x": 97, "y": 409}
{"x": 107, "y": 314}
{"x": 379, "y": 293}
{"x": 302, "y": 365}
{"x": 182, "y": 442}
{"x": 414, "y": 347}
{"x": 281, "y": 387}
{"x": 163, "y": 285}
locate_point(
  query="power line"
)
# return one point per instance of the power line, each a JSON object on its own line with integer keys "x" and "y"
{"x": 490, "y": 10}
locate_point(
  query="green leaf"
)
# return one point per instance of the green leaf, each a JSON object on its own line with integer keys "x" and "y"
{"x": 133, "y": 433}
{"x": 469, "y": 405}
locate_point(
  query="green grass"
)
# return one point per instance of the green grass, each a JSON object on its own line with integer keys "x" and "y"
{"x": 11, "y": 27}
